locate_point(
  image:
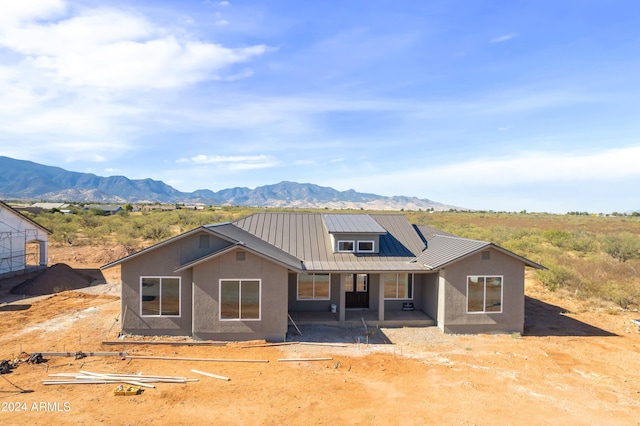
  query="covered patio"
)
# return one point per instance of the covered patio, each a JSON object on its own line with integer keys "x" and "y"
{"x": 354, "y": 317}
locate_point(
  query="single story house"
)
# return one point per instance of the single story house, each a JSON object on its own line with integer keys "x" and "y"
{"x": 17, "y": 231}
{"x": 243, "y": 280}
{"x": 106, "y": 209}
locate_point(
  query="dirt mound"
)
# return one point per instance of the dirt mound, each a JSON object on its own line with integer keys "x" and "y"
{"x": 57, "y": 278}
{"x": 85, "y": 256}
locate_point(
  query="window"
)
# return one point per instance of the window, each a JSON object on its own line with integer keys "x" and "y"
{"x": 361, "y": 280}
{"x": 486, "y": 255}
{"x": 241, "y": 256}
{"x": 313, "y": 287}
{"x": 397, "y": 286}
{"x": 345, "y": 246}
{"x": 160, "y": 296}
{"x": 239, "y": 299}
{"x": 365, "y": 246}
{"x": 484, "y": 294}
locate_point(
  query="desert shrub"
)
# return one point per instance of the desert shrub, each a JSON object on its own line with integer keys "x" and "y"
{"x": 155, "y": 232}
{"x": 64, "y": 233}
{"x": 526, "y": 246}
{"x": 623, "y": 293}
{"x": 621, "y": 246}
{"x": 576, "y": 240}
{"x": 555, "y": 276}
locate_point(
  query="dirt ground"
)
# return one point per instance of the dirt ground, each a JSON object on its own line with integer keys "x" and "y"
{"x": 573, "y": 365}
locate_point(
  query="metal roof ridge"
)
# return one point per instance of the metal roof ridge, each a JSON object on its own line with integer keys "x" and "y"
{"x": 455, "y": 237}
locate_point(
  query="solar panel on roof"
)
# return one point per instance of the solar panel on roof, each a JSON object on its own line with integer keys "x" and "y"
{"x": 351, "y": 223}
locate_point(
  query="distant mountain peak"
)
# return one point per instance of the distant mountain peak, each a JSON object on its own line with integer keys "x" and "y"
{"x": 26, "y": 180}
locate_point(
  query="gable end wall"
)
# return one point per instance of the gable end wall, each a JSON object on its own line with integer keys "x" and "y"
{"x": 452, "y": 315}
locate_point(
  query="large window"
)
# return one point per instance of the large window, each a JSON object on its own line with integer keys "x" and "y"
{"x": 484, "y": 294}
{"x": 314, "y": 287}
{"x": 239, "y": 299}
{"x": 397, "y": 286}
{"x": 160, "y": 296}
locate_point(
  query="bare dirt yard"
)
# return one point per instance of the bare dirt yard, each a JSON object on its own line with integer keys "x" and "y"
{"x": 573, "y": 366}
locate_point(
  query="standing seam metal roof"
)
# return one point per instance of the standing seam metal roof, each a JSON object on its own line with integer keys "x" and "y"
{"x": 239, "y": 235}
{"x": 304, "y": 236}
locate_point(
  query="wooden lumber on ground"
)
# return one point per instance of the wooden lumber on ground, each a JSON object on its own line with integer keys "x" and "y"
{"x": 264, "y": 345}
{"x": 155, "y": 342}
{"x": 167, "y": 358}
{"x": 294, "y": 324}
{"x": 303, "y": 359}
{"x": 87, "y": 377}
{"x": 336, "y": 345}
{"x": 215, "y": 376}
{"x": 83, "y": 354}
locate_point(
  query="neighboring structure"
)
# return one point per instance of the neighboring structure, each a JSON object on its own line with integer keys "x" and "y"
{"x": 106, "y": 209}
{"x": 50, "y": 206}
{"x": 16, "y": 232}
{"x": 239, "y": 280}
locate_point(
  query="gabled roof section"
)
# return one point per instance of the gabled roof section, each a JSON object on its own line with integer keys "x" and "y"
{"x": 294, "y": 264}
{"x": 351, "y": 224}
{"x": 427, "y": 232}
{"x": 231, "y": 233}
{"x": 444, "y": 248}
{"x": 23, "y": 217}
{"x": 255, "y": 244}
{"x": 151, "y": 248}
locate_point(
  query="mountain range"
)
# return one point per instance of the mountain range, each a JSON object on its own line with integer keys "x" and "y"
{"x": 29, "y": 181}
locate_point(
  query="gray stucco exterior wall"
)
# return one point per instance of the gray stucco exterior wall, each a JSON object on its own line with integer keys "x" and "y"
{"x": 272, "y": 324}
{"x": 161, "y": 264}
{"x": 429, "y": 294}
{"x": 452, "y": 310}
{"x": 199, "y": 292}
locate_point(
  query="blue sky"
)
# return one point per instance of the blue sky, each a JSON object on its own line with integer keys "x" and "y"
{"x": 519, "y": 105}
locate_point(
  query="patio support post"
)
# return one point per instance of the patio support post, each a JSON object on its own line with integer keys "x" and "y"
{"x": 380, "y": 300}
{"x": 341, "y": 306}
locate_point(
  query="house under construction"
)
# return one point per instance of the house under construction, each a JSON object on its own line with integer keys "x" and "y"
{"x": 23, "y": 242}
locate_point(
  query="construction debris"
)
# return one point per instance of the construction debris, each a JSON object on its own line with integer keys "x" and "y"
{"x": 126, "y": 390}
{"x": 80, "y": 354}
{"x": 294, "y": 324}
{"x": 304, "y": 359}
{"x": 156, "y": 342}
{"x": 5, "y": 367}
{"x": 215, "y": 376}
{"x": 264, "y": 345}
{"x": 165, "y": 358}
{"x": 87, "y": 377}
{"x": 335, "y": 345}
{"x": 20, "y": 390}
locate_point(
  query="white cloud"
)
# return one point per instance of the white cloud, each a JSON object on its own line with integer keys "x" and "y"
{"x": 14, "y": 12}
{"x": 117, "y": 50}
{"x": 64, "y": 71}
{"x": 241, "y": 162}
{"x": 538, "y": 167}
{"x": 487, "y": 174}
{"x": 503, "y": 38}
